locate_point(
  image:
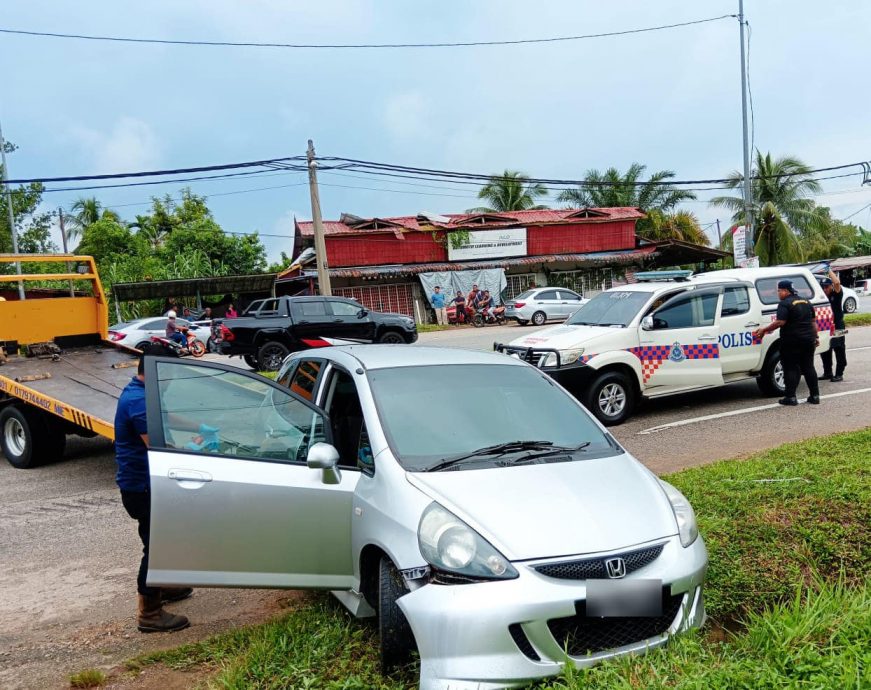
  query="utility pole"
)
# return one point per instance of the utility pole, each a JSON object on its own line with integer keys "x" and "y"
{"x": 317, "y": 223}
{"x": 748, "y": 197}
{"x": 63, "y": 237}
{"x": 10, "y": 211}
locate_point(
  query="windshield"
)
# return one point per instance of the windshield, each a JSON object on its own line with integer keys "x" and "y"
{"x": 525, "y": 295}
{"x": 434, "y": 413}
{"x": 611, "y": 308}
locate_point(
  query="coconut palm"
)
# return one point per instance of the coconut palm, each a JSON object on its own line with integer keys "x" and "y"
{"x": 680, "y": 225}
{"x": 85, "y": 212}
{"x": 510, "y": 191}
{"x": 781, "y": 207}
{"x": 613, "y": 188}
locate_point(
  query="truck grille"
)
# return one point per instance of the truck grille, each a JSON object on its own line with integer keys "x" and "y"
{"x": 594, "y": 568}
{"x": 579, "y": 635}
{"x": 527, "y": 355}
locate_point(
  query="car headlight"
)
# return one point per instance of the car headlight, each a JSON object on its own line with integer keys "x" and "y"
{"x": 449, "y": 544}
{"x": 565, "y": 357}
{"x": 683, "y": 513}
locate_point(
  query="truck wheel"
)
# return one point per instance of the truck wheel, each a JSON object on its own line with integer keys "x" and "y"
{"x": 211, "y": 344}
{"x": 771, "y": 380}
{"x": 271, "y": 355}
{"x": 251, "y": 361}
{"x": 29, "y": 439}
{"x": 611, "y": 398}
{"x": 396, "y": 637}
{"x": 849, "y": 305}
{"x": 539, "y": 318}
{"x": 391, "y": 338}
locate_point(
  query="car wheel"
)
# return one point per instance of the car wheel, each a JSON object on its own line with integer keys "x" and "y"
{"x": 539, "y": 318}
{"x": 143, "y": 344}
{"x": 396, "y": 637}
{"x": 611, "y": 398}
{"x": 391, "y": 338}
{"x": 211, "y": 345}
{"x": 271, "y": 355}
{"x": 251, "y": 361}
{"x": 849, "y": 305}
{"x": 771, "y": 379}
{"x": 28, "y": 439}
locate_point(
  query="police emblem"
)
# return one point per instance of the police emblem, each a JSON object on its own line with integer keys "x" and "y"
{"x": 676, "y": 354}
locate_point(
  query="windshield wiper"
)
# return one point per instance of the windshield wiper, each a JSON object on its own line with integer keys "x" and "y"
{"x": 556, "y": 450}
{"x": 497, "y": 449}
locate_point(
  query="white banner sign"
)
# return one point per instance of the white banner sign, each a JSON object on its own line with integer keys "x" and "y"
{"x": 490, "y": 244}
{"x": 739, "y": 244}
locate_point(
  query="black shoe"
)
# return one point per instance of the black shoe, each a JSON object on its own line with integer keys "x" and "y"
{"x": 788, "y": 401}
{"x": 835, "y": 379}
{"x": 825, "y": 376}
{"x": 814, "y": 400}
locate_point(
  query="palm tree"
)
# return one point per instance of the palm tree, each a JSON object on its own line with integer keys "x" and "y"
{"x": 84, "y": 212}
{"x": 680, "y": 225}
{"x": 781, "y": 207}
{"x": 613, "y": 188}
{"x": 510, "y": 191}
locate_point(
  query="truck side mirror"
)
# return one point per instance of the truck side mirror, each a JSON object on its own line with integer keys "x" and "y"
{"x": 647, "y": 323}
{"x": 323, "y": 456}
{"x": 362, "y": 314}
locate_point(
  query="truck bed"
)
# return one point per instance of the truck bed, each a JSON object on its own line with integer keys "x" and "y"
{"x": 82, "y": 385}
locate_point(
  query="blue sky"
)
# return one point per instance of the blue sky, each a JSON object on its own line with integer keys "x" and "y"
{"x": 669, "y": 99}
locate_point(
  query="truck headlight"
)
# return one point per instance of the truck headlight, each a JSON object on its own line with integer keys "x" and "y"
{"x": 683, "y": 513}
{"x": 449, "y": 544}
{"x": 565, "y": 357}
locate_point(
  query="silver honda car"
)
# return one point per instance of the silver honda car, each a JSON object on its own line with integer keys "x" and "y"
{"x": 466, "y": 499}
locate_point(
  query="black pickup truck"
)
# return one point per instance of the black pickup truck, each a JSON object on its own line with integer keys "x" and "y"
{"x": 271, "y": 328}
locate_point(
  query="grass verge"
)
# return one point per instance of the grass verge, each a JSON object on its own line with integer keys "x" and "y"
{"x": 855, "y": 320}
{"x": 789, "y": 536}
{"x": 89, "y": 678}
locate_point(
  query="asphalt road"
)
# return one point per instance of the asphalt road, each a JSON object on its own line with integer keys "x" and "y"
{"x": 68, "y": 552}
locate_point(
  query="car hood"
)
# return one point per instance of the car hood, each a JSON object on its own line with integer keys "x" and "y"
{"x": 563, "y": 337}
{"x": 556, "y": 509}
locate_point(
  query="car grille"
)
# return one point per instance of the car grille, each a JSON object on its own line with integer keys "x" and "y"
{"x": 579, "y": 635}
{"x": 527, "y": 355}
{"x": 594, "y": 568}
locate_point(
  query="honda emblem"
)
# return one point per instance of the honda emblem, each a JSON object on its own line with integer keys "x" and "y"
{"x": 616, "y": 568}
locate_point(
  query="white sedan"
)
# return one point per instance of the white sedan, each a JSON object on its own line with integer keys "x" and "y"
{"x": 137, "y": 333}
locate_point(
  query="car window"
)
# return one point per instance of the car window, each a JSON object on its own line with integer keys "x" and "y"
{"x": 525, "y": 295}
{"x": 156, "y": 325}
{"x": 344, "y": 308}
{"x": 568, "y": 295}
{"x": 219, "y": 412}
{"x": 305, "y": 378}
{"x": 312, "y": 308}
{"x": 285, "y": 374}
{"x": 736, "y": 300}
{"x": 268, "y": 308}
{"x": 610, "y": 308}
{"x": 547, "y": 294}
{"x": 766, "y": 288}
{"x": 688, "y": 310}
{"x": 342, "y": 404}
{"x": 253, "y": 307}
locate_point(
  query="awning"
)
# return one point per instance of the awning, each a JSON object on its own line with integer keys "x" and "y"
{"x": 849, "y": 262}
{"x": 191, "y": 287}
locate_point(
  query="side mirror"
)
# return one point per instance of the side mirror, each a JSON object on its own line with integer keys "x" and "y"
{"x": 647, "y": 323}
{"x": 323, "y": 456}
{"x": 362, "y": 314}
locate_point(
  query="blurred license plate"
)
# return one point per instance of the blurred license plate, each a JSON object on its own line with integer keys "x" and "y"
{"x": 615, "y": 598}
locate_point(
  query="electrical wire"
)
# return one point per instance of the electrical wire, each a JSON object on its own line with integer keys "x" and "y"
{"x": 856, "y": 213}
{"x": 355, "y": 46}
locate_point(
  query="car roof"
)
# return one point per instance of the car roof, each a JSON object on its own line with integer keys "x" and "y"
{"x": 392, "y": 356}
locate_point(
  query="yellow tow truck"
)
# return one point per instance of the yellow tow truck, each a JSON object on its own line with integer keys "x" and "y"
{"x": 59, "y": 373}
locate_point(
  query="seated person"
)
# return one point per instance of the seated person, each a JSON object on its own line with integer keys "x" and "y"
{"x": 484, "y": 303}
{"x": 175, "y": 332}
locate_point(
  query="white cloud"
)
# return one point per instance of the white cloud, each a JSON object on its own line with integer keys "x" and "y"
{"x": 130, "y": 144}
{"x": 407, "y": 116}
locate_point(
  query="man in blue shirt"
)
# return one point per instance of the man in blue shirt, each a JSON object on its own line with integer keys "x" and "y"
{"x": 437, "y": 299}
{"x": 131, "y": 456}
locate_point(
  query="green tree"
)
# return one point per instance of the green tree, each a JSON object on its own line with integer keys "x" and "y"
{"x": 510, "y": 191}
{"x": 782, "y": 207}
{"x": 680, "y": 225}
{"x": 32, "y": 225}
{"x": 837, "y": 240}
{"x": 107, "y": 240}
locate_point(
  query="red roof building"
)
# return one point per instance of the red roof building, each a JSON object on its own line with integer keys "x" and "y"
{"x": 377, "y": 260}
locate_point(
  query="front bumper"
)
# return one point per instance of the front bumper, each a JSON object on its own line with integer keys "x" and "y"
{"x": 497, "y": 634}
{"x": 573, "y": 377}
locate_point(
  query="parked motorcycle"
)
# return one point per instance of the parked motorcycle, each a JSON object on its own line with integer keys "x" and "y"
{"x": 480, "y": 319}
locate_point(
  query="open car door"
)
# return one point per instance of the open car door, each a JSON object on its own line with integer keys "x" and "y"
{"x": 233, "y": 502}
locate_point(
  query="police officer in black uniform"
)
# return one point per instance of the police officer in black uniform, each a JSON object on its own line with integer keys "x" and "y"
{"x": 798, "y": 339}
{"x": 832, "y": 287}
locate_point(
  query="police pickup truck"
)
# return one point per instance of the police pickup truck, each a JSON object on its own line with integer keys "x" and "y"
{"x": 671, "y": 332}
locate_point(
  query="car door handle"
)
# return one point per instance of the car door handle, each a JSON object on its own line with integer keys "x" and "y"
{"x": 707, "y": 337}
{"x": 189, "y": 476}
{"x": 337, "y": 320}
{"x": 752, "y": 324}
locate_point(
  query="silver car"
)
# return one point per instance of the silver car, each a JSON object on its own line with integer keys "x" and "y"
{"x": 493, "y": 548}
{"x": 137, "y": 333}
{"x": 541, "y": 305}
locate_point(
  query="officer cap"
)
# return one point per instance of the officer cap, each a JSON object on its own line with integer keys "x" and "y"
{"x": 826, "y": 282}
{"x": 785, "y": 285}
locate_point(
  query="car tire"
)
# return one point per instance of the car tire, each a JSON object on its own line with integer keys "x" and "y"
{"x": 394, "y": 632}
{"x": 770, "y": 380}
{"x": 271, "y": 354}
{"x": 850, "y": 305}
{"x": 539, "y": 318}
{"x": 391, "y": 338}
{"x": 211, "y": 344}
{"x": 611, "y": 398}
{"x": 143, "y": 344}
{"x": 251, "y": 361}
{"x": 29, "y": 439}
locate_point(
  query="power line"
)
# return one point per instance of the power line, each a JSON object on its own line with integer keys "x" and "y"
{"x": 857, "y": 212}
{"x": 355, "y": 46}
{"x": 250, "y": 174}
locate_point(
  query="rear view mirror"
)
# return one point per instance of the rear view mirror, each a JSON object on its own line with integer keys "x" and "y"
{"x": 362, "y": 314}
{"x": 323, "y": 456}
{"x": 647, "y": 323}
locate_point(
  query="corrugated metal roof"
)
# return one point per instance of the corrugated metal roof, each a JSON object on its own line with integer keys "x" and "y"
{"x": 465, "y": 221}
{"x": 190, "y": 287}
